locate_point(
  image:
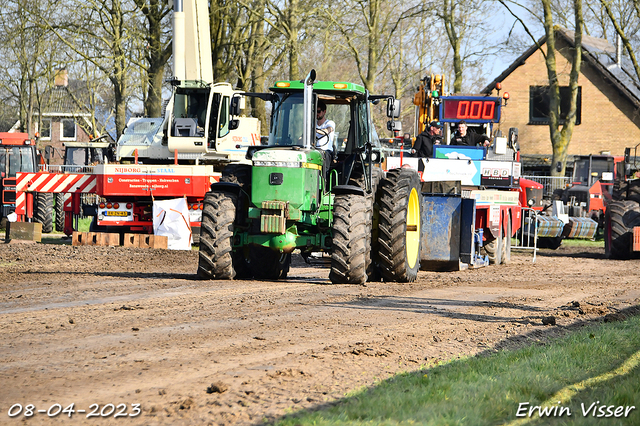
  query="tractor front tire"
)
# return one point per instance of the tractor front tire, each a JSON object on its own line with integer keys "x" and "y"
{"x": 59, "y": 211}
{"x": 216, "y": 256}
{"x": 43, "y": 211}
{"x": 620, "y": 219}
{"x": 399, "y": 225}
{"x": 348, "y": 252}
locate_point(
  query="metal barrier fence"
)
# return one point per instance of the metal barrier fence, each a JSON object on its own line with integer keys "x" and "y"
{"x": 550, "y": 183}
{"x": 60, "y": 168}
{"x": 527, "y": 236}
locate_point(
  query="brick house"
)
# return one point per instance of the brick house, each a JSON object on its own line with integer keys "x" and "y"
{"x": 608, "y": 100}
{"x": 62, "y": 118}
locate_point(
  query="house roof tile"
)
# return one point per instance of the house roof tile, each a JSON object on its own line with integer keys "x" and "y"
{"x": 60, "y": 101}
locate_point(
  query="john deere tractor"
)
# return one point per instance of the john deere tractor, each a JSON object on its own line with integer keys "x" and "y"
{"x": 294, "y": 196}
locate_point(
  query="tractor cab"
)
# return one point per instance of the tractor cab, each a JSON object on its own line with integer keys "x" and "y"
{"x": 592, "y": 182}
{"x": 17, "y": 155}
{"x": 293, "y": 125}
{"x": 80, "y": 155}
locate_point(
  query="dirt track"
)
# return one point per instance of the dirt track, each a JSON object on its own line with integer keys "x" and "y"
{"x": 89, "y": 325}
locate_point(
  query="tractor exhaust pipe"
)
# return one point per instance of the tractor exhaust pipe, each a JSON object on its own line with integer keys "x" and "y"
{"x": 309, "y": 116}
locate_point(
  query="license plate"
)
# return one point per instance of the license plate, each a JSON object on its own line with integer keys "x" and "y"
{"x": 117, "y": 213}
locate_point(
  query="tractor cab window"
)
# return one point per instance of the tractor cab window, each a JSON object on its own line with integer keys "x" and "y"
{"x": 20, "y": 160}
{"x": 588, "y": 176}
{"x": 287, "y": 122}
{"x": 375, "y": 139}
{"x": 75, "y": 156}
{"x": 97, "y": 156}
{"x": 360, "y": 128}
{"x": 340, "y": 114}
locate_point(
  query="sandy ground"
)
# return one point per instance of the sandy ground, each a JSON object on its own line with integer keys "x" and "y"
{"x": 99, "y": 325}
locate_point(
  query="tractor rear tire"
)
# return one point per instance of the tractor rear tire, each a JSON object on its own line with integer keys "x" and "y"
{"x": 43, "y": 211}
{"x": 348, "y": 251}
{"x": 59, "y": 211}
{"x": 373, "y": 208}
{"x": 399, "y": 225}
{"x": 195, "y": 236}
{"x": 620, "y": 219}
{"x": 493, "y": 250}
{"x": 267, "y": 264}
{"x": 619, "y": 190}
{"x": 217, "y": 259}
{"x": 552, "y": 243}
{"x": 633, "y": 193}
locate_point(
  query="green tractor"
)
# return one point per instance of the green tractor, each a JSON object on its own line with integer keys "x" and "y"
{"x": 293, "y": 196}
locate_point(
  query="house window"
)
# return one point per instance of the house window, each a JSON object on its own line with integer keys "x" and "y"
{"x": 68, "y": 132}
{"x": 539, "y": 104}
{"x": 45, "y": 129}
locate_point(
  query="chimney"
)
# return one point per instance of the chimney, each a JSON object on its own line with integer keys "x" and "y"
{"x": 61, "y": 78}
{"x": 618, "y": 50}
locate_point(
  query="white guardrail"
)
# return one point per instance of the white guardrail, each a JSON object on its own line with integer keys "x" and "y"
{"x": 550, "y": 183}
{"x": 527, "y": 237}
{"x": 63, "y": 168}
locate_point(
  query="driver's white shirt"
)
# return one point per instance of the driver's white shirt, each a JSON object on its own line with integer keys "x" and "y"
{"x": 322, "y": 141}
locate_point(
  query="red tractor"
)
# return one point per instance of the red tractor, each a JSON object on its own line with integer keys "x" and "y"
{"x": 622, "y": 220}
{"x": 18, "y": 154}
{"x": 591, "y": 186}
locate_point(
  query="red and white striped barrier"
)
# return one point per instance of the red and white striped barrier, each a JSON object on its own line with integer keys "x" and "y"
{"x": 56, "y": 182}
{"x": 51, "y": 182}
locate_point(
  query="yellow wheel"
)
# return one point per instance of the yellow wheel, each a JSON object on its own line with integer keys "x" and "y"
{"x": 399, "y": 225}
{"x": 413, "y": 228}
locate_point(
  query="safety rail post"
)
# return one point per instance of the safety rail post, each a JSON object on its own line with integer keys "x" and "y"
{"x": 528, "y": 233}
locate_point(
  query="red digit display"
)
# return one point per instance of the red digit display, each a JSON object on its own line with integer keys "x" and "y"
{"x": 462, "y": 109}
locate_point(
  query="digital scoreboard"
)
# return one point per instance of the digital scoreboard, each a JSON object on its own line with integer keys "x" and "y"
{"x": 471, "y": 109}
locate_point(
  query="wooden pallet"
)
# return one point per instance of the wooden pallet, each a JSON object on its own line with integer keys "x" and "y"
{"x": 113, "y": 239}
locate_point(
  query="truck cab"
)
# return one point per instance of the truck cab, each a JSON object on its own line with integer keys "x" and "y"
{"x": 17, "y": 155}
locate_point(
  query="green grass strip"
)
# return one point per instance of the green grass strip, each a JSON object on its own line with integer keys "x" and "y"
{"x": 581, "y": 378}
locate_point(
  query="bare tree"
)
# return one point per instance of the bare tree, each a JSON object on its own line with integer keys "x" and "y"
{"x": 467, "y": 24}
{"x": 31, "y": 58}
{"x": 157, "y": 51}
{"x": 560, "y": 130}
{"x": 99, "y": 32}
{"x": 369, "y": 30}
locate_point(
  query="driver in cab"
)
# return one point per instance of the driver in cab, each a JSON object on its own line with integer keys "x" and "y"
{"x": 325, "y": 131}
